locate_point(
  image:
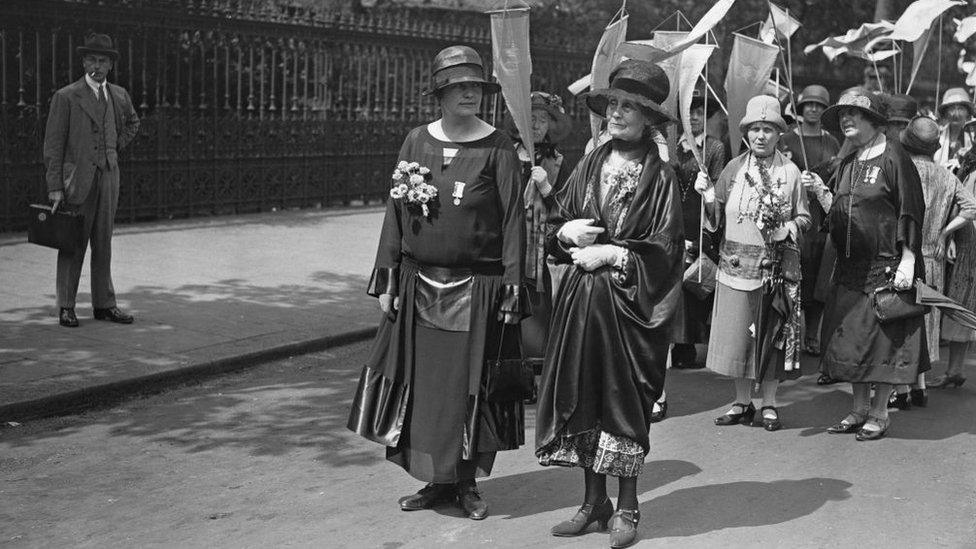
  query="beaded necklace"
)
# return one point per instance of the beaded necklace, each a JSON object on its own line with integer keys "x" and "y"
{"x": 858, "y": 168}
{"x": 763, "y": 174}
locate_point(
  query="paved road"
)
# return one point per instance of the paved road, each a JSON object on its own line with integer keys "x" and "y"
{"x": 262, "y": 459}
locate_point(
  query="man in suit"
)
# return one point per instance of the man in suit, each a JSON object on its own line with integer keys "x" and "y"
{"x": 90, "y": 121}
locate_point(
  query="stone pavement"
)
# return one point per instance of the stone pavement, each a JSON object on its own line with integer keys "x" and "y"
{"x": 208, "y": 295}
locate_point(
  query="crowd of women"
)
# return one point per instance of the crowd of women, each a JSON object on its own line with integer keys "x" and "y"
{"x": 497, "y": 254}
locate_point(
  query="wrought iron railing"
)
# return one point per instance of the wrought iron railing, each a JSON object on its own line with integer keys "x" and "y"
{"x": 245, "y": 104}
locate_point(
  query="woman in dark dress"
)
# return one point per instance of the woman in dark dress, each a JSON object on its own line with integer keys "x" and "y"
{"x": 875, "y": 221}
{"x": 447, "y": 275}
{"x": 619, "y": 226}
{"x": 544, "y": 176}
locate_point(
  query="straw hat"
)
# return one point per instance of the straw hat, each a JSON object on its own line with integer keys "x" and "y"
{"x": 955, "y": 96}
{"x": 870, "y": 104}
{"x": 639, "y": 81}
{"x": 763, "y": 108}
{"x": 457, "y": 64}
{"x": 921, "y": 136}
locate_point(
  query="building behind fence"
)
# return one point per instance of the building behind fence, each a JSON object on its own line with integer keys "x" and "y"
{"x": 246, "y": 105}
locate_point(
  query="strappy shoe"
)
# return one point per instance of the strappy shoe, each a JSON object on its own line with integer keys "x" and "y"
{"x": 850, "y": 424}
{"x": 770, "y": 423}
{"x": 946, "y": 381}
{"x": 659, "y": 411}
{"x": 589, "y": 513}
{"x": 744, "y": 417}
{"x": 623, "y": 528}
{"x": 873, "y": 434}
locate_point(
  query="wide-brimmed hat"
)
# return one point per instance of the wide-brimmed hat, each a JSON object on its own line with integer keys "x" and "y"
{"x": 921, "y": 136}
{"x": 697, "y": 99}
{"x": 870, "y": 104}
{"x": 955, "y": 96}
{"x": 813, "y": 93}
{"x": 98, "y": 44}
{"x": 643, "y": 83}
{"x": 763, "y": 108}
{"x": 560, "y": 123}
{"x": 457, "y": 64}
{"x": 902, "y": 107}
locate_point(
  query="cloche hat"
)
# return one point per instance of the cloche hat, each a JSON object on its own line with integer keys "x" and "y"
{"x": 921, "y": 136}
{"x": 457, "y": 64}
{"x": 813, "y": 93}
{"x": 870, "y": 104}
{"x": 955, "y": 96}
{"x": 902, "y": 107}
{"x": 640, "y": 81}
{"x": 98, "y": 44}
{"x": 560, "y": 123}
{"x": 763, "y": 108}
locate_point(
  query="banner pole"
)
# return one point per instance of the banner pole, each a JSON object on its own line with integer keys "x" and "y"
{"x": 788, "y": 61}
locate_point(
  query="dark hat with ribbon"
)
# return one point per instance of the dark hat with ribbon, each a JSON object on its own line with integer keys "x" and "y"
{"x": 921, "y": 136}
{"x": 870, "y": 104}
{"x": 697, "y": 99}
{"x": 560, "y": 124}
{"x": 455, "y": 65}
{"x": 644, "y": 83}
{"x": 98, "y": 44}
{"x": 902, "y": 107}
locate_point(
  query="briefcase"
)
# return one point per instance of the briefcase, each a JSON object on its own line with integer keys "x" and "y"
{"x": 59, "y": 230}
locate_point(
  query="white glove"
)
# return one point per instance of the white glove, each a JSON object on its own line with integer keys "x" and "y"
{"x": 594, "y": 257}
{"x": 705, "y": 187}
{"x": 579, "y": 232}
{"x": 811, "y": 181}
{"x": 784, "y": 231}
{"x": 540, "y": 179}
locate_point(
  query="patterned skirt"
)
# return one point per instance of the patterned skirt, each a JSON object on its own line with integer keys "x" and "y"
{"x": 962, "y": 288}
{"x": 604, "y": 453}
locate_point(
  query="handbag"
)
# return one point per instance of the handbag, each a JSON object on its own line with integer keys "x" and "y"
{"x": 60, "y": 230}
{"x": 704, "y": 288}
{"x": 891, "y": 304}
{"x": 509, "y": 379}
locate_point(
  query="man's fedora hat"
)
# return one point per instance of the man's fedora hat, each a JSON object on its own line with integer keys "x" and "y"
{"x": 457, "y": 64}
{"x": 921, "y": 136}
{"x": 639, "y": 81}
{"x": 99, "y": 44}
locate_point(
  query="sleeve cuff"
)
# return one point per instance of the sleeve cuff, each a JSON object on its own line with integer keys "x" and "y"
{"x": 385, "y": 280}
{"x": 513, "y": 300}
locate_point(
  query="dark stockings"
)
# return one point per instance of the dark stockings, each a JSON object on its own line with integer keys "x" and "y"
{"x": 596, "y": 490}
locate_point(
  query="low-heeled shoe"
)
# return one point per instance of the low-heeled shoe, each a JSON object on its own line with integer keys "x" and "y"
{"x": 865, "y": 434}
{"x": 745, "y": 416}
{"x": 589, "y": 513}
{"x": 427, "y": 497}
{"x": 661, "y": 412}
{"x": 919, "y": 397}
{"x": 471, "y": 502}
{"x": 899, "y": 401}
{"x": 770, "y": 424}
{"x": 623, "y": 528}
{"x": 113, "y": 314}
{"x": 67, "y": 318}
{"x": 842, "y": 427}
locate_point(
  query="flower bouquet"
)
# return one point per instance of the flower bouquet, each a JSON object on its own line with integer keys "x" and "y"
{"x": 625, "y": 177}
{"x": 410, "y": 183}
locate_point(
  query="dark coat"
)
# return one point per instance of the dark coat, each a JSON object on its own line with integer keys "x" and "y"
{"x": 610, "y": 330}
{"x": 69, "y": 138}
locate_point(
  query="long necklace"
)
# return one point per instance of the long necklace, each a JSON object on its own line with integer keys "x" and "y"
{"x": 858, "y": 168}
{"x": 751, "y": 184}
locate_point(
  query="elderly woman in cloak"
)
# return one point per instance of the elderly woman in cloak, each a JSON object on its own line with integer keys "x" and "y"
{"x": 619, "y": 223}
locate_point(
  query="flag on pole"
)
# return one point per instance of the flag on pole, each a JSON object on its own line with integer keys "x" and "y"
{"x": 690, "y": 68}
{"x": 750, "y": 64}
{"x": 780, "y": 22}
{"x": 605, "y": 59}
{"x": 513, "y": 66}
{"x": 654, "y": 53}
{"x": 964, "y": 28}
{"x": 918, "y": 52}
{"x": 854, "y": 41}
{"x": 918, "y": 17}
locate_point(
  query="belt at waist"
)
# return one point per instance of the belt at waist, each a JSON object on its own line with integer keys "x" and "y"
{"x": 448, "y": 274}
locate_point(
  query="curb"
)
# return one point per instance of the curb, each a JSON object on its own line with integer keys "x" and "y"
{"x": 108, "y": 394}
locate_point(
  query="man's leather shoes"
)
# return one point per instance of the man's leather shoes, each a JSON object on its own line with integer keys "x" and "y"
{"x": 427, "y": 497}
{"x": 67, "y": 317}
{"x": 470, "y": 500}
{"x": 113, "y": 314}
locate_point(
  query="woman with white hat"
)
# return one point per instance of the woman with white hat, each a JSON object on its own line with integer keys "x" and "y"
{"x": 735, "y": 206}
{"x": 954, "y": 112}
{"x": 448, "y": 276}
{"x": 618, "y": 227}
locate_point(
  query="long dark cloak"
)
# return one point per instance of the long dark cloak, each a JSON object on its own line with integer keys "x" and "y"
{"x": 609, "y": 335}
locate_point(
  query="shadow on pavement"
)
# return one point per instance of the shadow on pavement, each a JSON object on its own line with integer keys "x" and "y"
{"x": 701, "y": 509}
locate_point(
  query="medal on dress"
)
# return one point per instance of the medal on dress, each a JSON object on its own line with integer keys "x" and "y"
{"x": 458, "y": 193}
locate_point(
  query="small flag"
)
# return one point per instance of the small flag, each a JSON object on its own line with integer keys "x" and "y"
{"x": 780, "y": 22}
{"x": 919, "y": 16}
{"x": 964, "y": 28}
